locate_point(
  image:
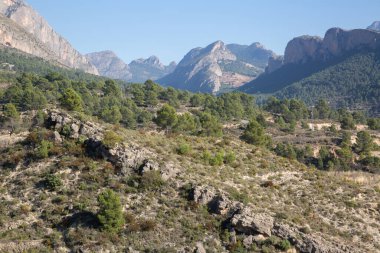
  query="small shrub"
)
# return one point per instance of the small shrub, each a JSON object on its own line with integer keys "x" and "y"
{"x": 52, "y": 182}
{"x": 229, "y": 157}
{"x": 111, "y": 139}
{"x": 183, "y": 149}
{"x": 151, "y": 180}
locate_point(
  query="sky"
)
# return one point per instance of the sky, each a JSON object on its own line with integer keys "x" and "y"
{"x": 170, "y": 28}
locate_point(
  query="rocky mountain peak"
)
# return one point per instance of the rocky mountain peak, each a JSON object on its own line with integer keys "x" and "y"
{"x": 217, "y": 45}
{"x": 375, "y": 26}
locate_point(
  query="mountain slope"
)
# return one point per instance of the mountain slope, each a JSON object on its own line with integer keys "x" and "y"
{"x": 218, "y": 66}
{"x": 35, "y": 36}
{"x": 306, "y": 56}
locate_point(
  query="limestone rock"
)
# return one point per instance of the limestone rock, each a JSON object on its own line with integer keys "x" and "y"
{"x": 207, "y": 69}
{"x": 248, "y": 222}
{"x": 23, "y": 28}
{"x": 199, "y": 248}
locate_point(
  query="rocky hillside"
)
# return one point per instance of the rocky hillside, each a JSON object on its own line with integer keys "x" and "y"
{"x": 140, "y": 70}
{"x": 34, "y": 35}
{"x": 308, "y": 55}
{"x": 374, "y": 26}
{"x": 218, "y": 67}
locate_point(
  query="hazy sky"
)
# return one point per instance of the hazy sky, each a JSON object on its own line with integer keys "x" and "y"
{"x": 170, "y": 28}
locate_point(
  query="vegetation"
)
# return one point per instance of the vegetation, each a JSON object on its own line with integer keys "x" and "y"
{"x": 110, "y": 213}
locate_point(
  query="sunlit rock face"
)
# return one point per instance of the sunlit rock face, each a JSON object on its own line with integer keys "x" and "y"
{"x": 35, "y": 36}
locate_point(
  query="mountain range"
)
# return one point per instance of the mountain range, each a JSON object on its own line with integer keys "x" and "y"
{"x": 140, "y": 70}
{"x": 342, "y": 67}
{"x": 218, "y": 67}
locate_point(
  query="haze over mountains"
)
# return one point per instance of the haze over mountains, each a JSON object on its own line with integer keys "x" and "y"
{"x": 140, "y": 70}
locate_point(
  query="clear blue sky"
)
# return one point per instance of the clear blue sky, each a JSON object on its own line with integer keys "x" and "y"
{"x": 170, "y": 28}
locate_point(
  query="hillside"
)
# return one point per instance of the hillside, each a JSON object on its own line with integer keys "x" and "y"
{"x": 218, "y": 67}
{"x": 344, "y": 64}
{"x": 86, "y": 166}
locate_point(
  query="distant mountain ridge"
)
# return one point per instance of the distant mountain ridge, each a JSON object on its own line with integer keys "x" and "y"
{"x": 218, "y": 66}
{"x": 312, "y": 50}
{"x": 24, "y": 29}
{"x": 375, "y": 26}
{"x": 342, "y": 67}
{"x": 140, "y": 70}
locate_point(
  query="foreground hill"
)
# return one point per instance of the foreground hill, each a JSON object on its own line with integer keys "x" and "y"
{"x": 24, "y": 29}
{"x": 218, "y": 67}
{"x": 345, "y": 63}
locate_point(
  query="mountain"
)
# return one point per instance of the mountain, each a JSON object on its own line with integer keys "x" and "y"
{"x": 24, "y": 29}
{"x": 374, "y": 26}
{"x": 218, "y": 67}
{"x": 110, "y": 65}
{"x": 340, "y": 53}
{"x": 151, "y": 68}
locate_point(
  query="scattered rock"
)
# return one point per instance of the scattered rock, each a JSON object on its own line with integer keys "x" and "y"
{"x": 57, "y": 137}
{"x": 248, "y": 241}
{"x": 248, "y": 222}
{"x": 202, "y": 194}
{"x": 199, "y": 248}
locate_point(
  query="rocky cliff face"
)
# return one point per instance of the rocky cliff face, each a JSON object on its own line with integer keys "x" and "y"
{"x": 35, "y": 36}
{"x": 218, "y": 66}
{"x": 375, "y": 26}
{"x": 140, "y": 70}
{"x": 335, "y": 43}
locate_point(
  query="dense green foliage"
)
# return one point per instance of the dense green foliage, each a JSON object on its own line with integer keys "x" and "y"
{"x": 110, "y": 213}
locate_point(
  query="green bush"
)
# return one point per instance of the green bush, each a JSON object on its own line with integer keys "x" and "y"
{"x": 110, "y": 213}
{"x": 111, "y": 138}
{"x": 151, "y": 180}
{"x": 43, "y": 149}
{"x": 52, "y": 182}
{"x": 183, "y": 149}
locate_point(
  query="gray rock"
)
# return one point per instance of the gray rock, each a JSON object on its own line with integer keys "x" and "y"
{"x": 57, "y": 137}
{"x": 248, "y": 241}
{"x": 203, "y": 194}
{"x": 199, "y": 248}
{"x": 248, "y": 222}
{"x": 23, "y": 28}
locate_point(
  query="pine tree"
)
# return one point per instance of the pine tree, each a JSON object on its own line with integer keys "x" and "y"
{"x": 110, "y": 214}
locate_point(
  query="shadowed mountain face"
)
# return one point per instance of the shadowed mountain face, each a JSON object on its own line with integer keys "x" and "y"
{"x": 306, "y": 55}
{"x": 24, "y": 29}
{"x": 218, "y": 67}
{"x": 341, "y": 68}
{"x": 140, "y": 70}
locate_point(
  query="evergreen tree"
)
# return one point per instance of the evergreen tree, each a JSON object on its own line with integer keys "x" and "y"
{"x": 166, "y": 117}
{"x": 72, "y": 100}
{"x": 110, "y": 213}
{"x": 254, "y": 134}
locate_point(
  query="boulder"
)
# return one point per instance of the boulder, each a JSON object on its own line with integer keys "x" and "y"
{"x": 57, "y": 137}
{"x": 199, "y": 248}
{"x": 248, "y": 222}
{"x": 203, "y": 194}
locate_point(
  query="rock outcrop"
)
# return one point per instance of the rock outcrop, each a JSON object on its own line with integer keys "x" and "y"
{"x": 150, "y": 68}
{"x": 35, "y": 36}
{"x": 218, "y": 66}
{"x": 248, "y": 222}
{"x": 335, "y": 43}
